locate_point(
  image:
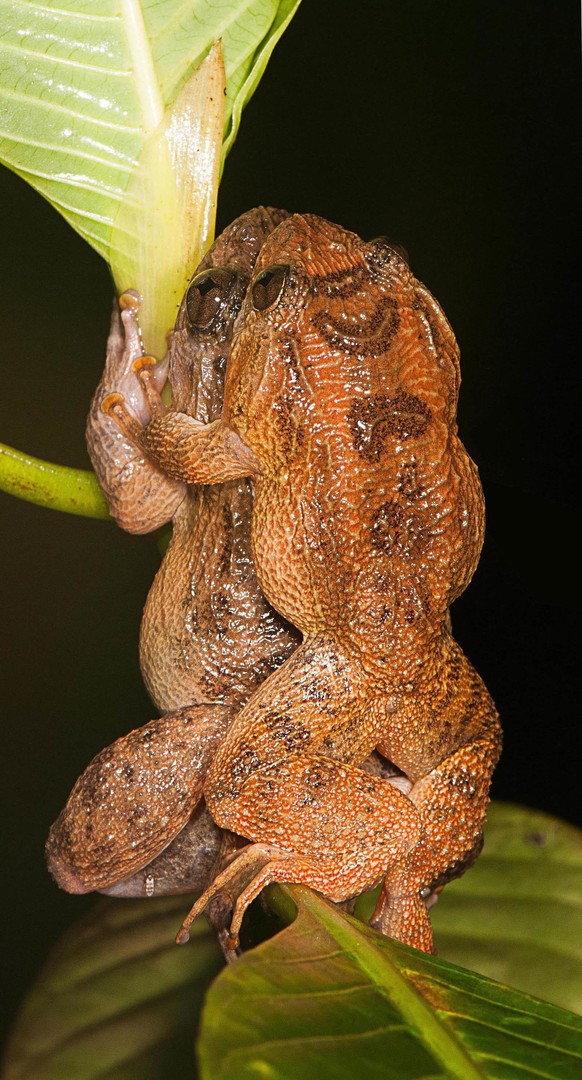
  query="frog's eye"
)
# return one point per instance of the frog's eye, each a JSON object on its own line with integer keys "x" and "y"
{"x": 391, "y": 245}
{"x": 207, "y": 296}
{"x": 268, "y": 286}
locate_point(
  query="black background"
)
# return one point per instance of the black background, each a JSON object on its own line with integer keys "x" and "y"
{"x": 451, "y": 127}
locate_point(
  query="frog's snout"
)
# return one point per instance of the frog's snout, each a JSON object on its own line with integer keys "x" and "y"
{"x": 59, "y": 867}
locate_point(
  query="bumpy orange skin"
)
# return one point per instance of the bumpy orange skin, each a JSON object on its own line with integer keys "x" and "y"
{"x": 340, "y": 405}
{"x": 340, "y": 402}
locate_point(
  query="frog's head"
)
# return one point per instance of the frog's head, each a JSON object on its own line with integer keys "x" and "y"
{"x": 201, "y": 340}
{"x": 329, "y": 324}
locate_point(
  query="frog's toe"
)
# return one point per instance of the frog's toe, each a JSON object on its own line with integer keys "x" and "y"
{"x": 223, "y": 896}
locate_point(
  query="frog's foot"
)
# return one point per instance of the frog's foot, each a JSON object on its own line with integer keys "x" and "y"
{"x": 257, "y": 866}
{"x": 219, "y": 908}
{"x": 405, "y": 918}
{"x": 129, "y": 305}
{"x": 229, "y": 895}
{"x": 140, "y": 495}
{"x": 131, "y": 377}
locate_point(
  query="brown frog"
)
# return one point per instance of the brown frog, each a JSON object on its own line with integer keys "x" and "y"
{"x": 208, "y": 636}
{"x": 340, "y": 403}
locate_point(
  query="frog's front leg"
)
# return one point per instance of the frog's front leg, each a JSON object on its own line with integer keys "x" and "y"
{"x": 197, "y": 453}
{"x": 134, "y": 798}
{"x": 140, "y": 495}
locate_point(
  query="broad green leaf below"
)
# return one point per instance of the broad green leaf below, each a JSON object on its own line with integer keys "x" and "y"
{"x": 117, "y": 1000}
{"x": 330, "y": 998}
{"x": 517, "y": 915}
{"x": 327, "y": 997}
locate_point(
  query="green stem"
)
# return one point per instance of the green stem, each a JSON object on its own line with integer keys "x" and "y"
{"x": 76, "y": 491}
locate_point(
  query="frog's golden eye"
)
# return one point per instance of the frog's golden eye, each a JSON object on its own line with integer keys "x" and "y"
{"x": 391, "y": 245}
{"x": 268, "y": 286}
{"x": 208, "y": 295}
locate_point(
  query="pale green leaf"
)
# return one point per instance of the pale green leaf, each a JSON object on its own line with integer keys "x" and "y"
{"x": 85, "y": 89}
{"x": 330, "y": 998}
{"x": 117, "y": 1000}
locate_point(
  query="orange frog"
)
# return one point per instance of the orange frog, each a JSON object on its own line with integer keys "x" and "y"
{"x": 340, "y": 405}
{"x": 367, "y": 522}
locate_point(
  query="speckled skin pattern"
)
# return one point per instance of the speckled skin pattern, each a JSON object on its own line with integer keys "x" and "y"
{"x": 208, "y": 635}
{"x": 340, "y": 404}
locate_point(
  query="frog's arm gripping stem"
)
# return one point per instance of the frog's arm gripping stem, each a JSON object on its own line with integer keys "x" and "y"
{"x": 140, "y": 495}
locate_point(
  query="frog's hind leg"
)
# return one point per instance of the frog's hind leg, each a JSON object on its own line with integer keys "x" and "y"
{"x": 452, "y": 802}
{"x": 134, "y": 798}
{"x": 337, "y": 828}
{"x": 283, "y": 777}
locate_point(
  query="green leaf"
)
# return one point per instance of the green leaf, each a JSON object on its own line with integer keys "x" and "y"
{"x": 330, "y": 998}
{"x": 517, "y": 915}
{"x": 98, "y": 112}
{"x": 118, "y": 999}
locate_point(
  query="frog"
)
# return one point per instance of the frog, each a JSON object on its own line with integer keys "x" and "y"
{"x": 436, "y": 762}
{"x": 367, "y": 523}
{"x": 135, "y": 823}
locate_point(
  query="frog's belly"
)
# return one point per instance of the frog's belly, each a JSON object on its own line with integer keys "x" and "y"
{"x": 286, "y": 558}
{"x": 207, "y": 632}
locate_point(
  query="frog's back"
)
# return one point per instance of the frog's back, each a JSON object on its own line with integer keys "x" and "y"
{"x": 345, "y": 386}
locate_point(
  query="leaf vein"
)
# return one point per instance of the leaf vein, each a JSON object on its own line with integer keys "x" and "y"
{"x": 126, "y": 169}
{"x": 67, "y": 14}
{"x": 31, "y": 102}
{"x": 50, "y": 58}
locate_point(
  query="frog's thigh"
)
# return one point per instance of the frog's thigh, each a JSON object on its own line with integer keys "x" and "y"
{"x": 134, "y": 798}
{"x": 316, "y": 702}
{"x": 337, "y": 827}
{"x": 452, "y": 802}
{"x": 281, "y": 776}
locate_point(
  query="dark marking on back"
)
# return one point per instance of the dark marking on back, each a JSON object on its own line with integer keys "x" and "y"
{"x": 371, "y": 338}
{"x": 292, "y": 735}
{"x": 395, "y": 529}
{"x": 291, "y": 431}
{"x": 409, "y": 485}
{"x": 373, "y": 419}
{"x": 344, "y": 283}
{"x": 246, "y": 762}
{"x": 389, "y": 528}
